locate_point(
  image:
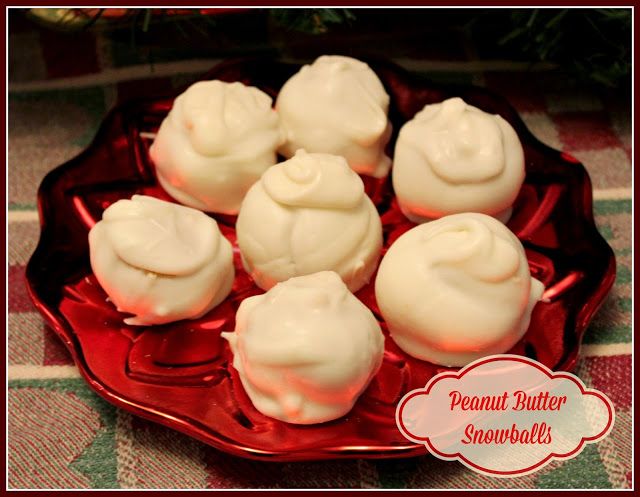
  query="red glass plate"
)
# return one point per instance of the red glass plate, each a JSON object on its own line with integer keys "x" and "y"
{"x": 180, "y": 374}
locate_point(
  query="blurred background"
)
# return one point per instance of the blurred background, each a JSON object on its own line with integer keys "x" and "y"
{"x": 591, "y": 44}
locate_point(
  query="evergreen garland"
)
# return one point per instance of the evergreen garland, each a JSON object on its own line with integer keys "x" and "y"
{"x": 595, "y": 44}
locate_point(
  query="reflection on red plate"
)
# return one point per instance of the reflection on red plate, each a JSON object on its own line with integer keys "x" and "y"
{"x": 180, "y": 375}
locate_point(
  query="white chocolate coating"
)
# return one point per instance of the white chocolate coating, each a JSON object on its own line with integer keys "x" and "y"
{"x": 305, "y": 215}
{"x": 456, "y": 289}
{"x": 160, "y": 261}
{"x": 453, "y": 157}
{"x": 215, "y": 143}
{"x": 337, "y": 105}
{"x": 306, "y": 350}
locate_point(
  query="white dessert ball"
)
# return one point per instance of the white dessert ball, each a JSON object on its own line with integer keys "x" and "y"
{"x": 456, "y": 289}
{"x": 306, "y": 350}
{"x": 337, "y": 105}
{"x": 215, "y": 143}
{"x": 160, "y": 261}
{"x": 305, "y": 215}
{"x": 453, "y": 157}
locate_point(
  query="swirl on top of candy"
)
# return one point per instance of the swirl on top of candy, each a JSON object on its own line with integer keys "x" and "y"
{"x": 453, "y": 157}
{"x": 160, "y": 261}
{"x": 309, "y": 214}
{"x": 337, "y": 105}
{"x": 456, "y": 289}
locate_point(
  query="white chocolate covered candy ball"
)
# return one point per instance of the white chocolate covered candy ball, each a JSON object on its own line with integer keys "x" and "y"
{"x": 215, "y": 143}
{"x": 309, "y": 214}
{"x": 160, "y": 261}
{"x": 306, "y": 350}
{"x": 337, "y": 105}
{"x": 453, "y": 157}
{"x": 456, "y": 289}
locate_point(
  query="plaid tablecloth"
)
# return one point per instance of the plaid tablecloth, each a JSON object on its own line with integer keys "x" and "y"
{"x": 62, "y": 435}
